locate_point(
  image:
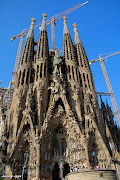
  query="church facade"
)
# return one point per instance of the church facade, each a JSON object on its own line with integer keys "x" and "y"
{"x": 54, "y": 122}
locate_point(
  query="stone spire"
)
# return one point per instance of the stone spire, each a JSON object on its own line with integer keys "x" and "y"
{"x": 28, "y": 49}
{"x": 27, "y": 57}
{"x": 43, "y": 26}
{"x": 81, "y": 54}
{"x": 71, "y": 70}
{"x": 25, "y": 74}
{"x": 102, "y": 104}
{"x": 41, "y": 72}
{"x": 66, "y": 30}
{"x": 42, "y": 51}
{"x": 68, "y": 47}
{"x": 77, "y": 38}
{"x": 31, "y": 30}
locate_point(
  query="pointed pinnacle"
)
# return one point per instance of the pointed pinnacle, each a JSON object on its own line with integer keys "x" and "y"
{"x": 56, "y": 48}
{"x": 75, "y": 27}
{"x": 64, "y": 18}
{"x": 43, "y": 26}
{"x": 33, "y": 19}
{"x": 44, "y": 15}
{"x": 66, "y": 30}
{"x": 77, "y": 38}
{"x": 31, "y": 30}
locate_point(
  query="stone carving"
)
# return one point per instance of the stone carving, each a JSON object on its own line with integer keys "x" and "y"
{"x": 61, "y": 98}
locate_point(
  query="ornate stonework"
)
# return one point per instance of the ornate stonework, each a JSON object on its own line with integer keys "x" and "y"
{"x": 54, "y": 122}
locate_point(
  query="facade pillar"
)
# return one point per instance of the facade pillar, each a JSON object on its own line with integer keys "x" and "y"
{"x": 61, "y": 169}
{"x": 38, "y": 164}
{"x": 8, "y": 172}
{"x": 61, "y": 173}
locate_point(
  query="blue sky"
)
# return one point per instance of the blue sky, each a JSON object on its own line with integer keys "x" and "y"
{"x": 98, "y": 27}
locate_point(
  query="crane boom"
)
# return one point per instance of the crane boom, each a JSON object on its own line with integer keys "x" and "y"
{"x": 55, "y": 18}
{"x": 113, "y": 54}
{"x": 103, "y": 94}
{"x": 52, "y": 21}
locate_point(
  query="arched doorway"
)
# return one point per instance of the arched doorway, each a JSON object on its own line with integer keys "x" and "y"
{"x": 66, "y": 169}
{"x": 55, "y": 172}
{"x": 59, "y": 143}
{"x": 93, "y": 159}
{"x": 92, "y": 150}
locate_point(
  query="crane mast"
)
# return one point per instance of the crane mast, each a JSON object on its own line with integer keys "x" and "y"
{"x": 109, "y": 87}
{"x": 53, "y": 34}
{"x": 114, "y": 104}
{"x": 14, "y": 74}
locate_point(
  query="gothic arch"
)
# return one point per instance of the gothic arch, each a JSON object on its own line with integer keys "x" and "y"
{"x": 59, "y": 102}
{"x": 72, "y": 131}
{"x": 25, "y": 143}
{"x": 26, "y": 120}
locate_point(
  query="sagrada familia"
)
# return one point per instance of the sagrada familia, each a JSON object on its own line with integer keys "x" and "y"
{"x": 54, "y": 122}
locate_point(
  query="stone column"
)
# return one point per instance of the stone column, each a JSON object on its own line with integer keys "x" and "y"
{"x": 8, "y": 172}
{"x": 38, "y": 164}
{"x": 61, "y": 169}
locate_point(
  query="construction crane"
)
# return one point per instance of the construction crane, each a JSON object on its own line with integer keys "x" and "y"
{"x": 114, "y": 104}
{"x": 51, "y": 21}
{"x": 103, "y": 94}
{"x": 117, "y": 112}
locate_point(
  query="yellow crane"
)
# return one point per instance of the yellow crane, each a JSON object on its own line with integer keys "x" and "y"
{"x": 51, "y": 21}
{"x": 114, "y": 104}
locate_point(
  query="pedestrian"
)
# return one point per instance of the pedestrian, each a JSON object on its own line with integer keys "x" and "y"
{"x": 98, "y": 166}
{"x": 91, "y": 167}
{"x": 76, "y": 169}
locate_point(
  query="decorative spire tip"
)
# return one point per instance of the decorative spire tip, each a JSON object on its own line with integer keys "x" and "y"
{"x": 77, "y": 38}
{"x": 43, "y": 26}
{"x": 64, "y": 18}
{"x": 75, "y": 27}
{"x": 33, "y": 19}
{"x": 44, "y": 15}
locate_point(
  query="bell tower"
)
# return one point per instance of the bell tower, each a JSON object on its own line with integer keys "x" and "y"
{"x": 73, "y": 75}
{"x": 90, "y": 102}
{"x": 41, "y": 72}
{"x": 25, "y": 77}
